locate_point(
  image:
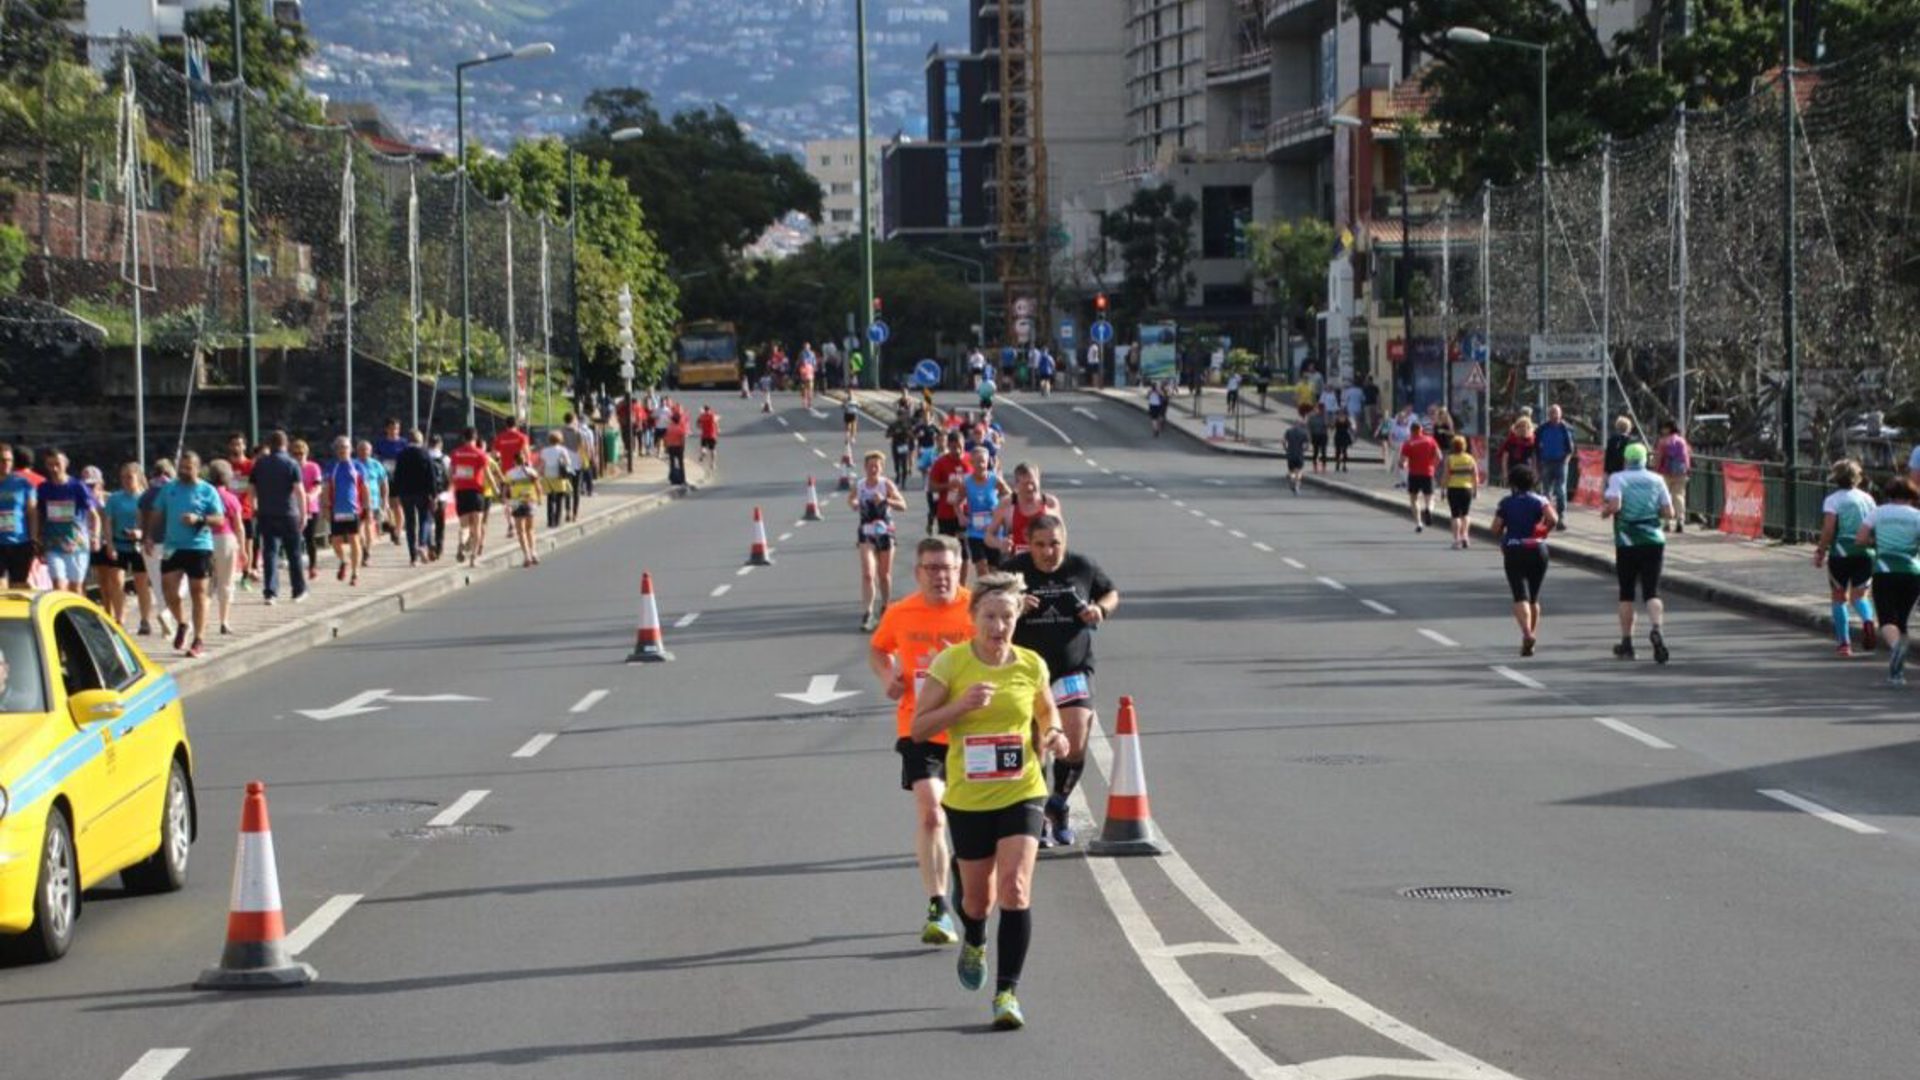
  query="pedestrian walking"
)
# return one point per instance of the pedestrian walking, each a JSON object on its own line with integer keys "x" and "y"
{"x": 1521, "y": 523}
{"x": 1157, "y": 407}
{"x": 344, "y": 494}
{"x": 1399, "y": 430}
{"x": 523, "y": 491}
{"x": 280, "y": 518}
{"x": 229, "y": 544}
{"x": 1849, "y": 563}
{"x": 1893, "y": 532}
{"x": 1462, "y": 481}
{"x": 1613, "y": 456}
{"x": 1553, "y": 447}
{"x": 69, "y": 524}
{"x": 1638, "y": 502}
{"x": 1317, "y": 434}
{"x": 1674, "y": 460}
{"x": 557, "y": 473}
{"x": 120, "y": 553}
{"x": 19, "y": 521}
{"x": 1520, "y": 447}
{"x": 415, "y": 489}
{"x": 1295, "y": 443}
{"x": 1420, "y": 456}
{"x": 189, "y": 507}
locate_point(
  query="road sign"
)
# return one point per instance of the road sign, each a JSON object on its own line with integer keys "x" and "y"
{"x": 1022, "y": 307}
{"x": 1023, "y": 329}
{"x": 1565, "y": 356}
{"x": 878, "y": 332}
{"x": 1101, "y": 332}
{"x": 927, "y": 373}
{"x": 1066, "y": 331}
{"x": 1476, "y": 377}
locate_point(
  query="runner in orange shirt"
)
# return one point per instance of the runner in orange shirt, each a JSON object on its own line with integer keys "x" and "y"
{"x": 911, "y": 634}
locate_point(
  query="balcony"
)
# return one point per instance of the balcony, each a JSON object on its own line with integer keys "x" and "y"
{"x": 1248, "y": 67}
{"x": 1301, "y": 133}
{"x": 1298, "y": 18}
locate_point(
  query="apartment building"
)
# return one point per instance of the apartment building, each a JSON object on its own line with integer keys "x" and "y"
{"x": 834, "y": 164}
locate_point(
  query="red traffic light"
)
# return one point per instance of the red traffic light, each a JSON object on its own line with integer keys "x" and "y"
{"x": 1100, "y": 302}
{"x": 876, "y": 305}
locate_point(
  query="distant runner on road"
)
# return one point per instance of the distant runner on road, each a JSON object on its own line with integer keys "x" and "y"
{"x": 1638, "y": 502}
{"x": 1850, "y": 565}
{"x": 1893, "y": 531}
{"x": 1522, "y": 522}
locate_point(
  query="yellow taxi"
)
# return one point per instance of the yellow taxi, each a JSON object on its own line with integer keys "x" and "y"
{"x": 96, "y": 775}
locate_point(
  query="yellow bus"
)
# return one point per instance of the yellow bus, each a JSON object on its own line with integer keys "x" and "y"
{"x": 706, "y": 353}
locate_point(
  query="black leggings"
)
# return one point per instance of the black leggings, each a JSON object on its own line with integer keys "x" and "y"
{"x": 1893, "y": 597}
{"x": 1526, "y": 572}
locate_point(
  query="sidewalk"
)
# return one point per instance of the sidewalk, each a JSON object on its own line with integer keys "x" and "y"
{"x": 1758, "y": 577}
{"x": 388, "y": 586}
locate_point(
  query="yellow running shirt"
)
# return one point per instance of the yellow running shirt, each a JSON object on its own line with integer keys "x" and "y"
{"x": 992, "y": 761}
{"x": 1462, "y": 469}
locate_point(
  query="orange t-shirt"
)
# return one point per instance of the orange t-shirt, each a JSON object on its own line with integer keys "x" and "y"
{"x": 915, "y": 631}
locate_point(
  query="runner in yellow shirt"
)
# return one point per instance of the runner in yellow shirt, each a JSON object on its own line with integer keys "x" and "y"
{"x": 992, "y": 699}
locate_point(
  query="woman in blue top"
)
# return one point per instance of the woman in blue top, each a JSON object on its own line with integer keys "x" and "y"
{"x": 983, "y": 488}
{"x": 120, "y": 555}
{"x": 1893, "y": 532}
{"x": 1522, "y": 523}
{"x": 69, "y": 525}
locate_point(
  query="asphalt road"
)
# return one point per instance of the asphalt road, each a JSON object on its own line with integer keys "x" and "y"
{"x": 695, "y": 877}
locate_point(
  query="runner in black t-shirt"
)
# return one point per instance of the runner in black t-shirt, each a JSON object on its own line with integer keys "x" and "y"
{"x": 1068, "y": 597}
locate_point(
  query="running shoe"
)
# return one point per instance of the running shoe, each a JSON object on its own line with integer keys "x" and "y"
{"x": 196, "y": 650}
{"x": 1526, "y": 645}
{"x": 1060, "y": 821}
{"x": 866, "y": 622}
{"x": 1006, "y": 1012}
{"x": 1897, "y": 664}
{"x": 972, "y": 966}
{"x": 180, "y": 636}
{"x": 1844, "y": 651}
{"x": 146, "y": 628}
{"x": 1623, "y": 651}
{"x": 939, "y": 930}
{"x": 1869, "y": 637}
{"x": 1659, "y": 646}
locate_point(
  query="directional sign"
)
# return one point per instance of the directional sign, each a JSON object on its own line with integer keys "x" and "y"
{"x": 1066, "y": 331}
{"x": 926, "y": 373}
{"x": 1546, "y": 372}
{"x": 879, "y": 332}
{"x": 1101, "y": 332}
{"x": 369, "y": 701}
{"x": 821, "y": 690}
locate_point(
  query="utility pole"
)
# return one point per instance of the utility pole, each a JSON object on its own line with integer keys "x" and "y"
{"x": 866, "y": 199}
{"x": 246, "y": 228}
{"x": 1789, "y": 279}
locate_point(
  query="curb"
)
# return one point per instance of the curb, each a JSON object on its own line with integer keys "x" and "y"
{"x": 1576, "y": 552}
{"x": 296, "y": 637}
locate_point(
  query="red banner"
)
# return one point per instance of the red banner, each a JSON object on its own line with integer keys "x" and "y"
{"x": 1743, "y": 508}
{"x": 1593, "y": 479}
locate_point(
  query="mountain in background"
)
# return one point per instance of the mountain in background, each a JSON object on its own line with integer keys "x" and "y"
{"x": 785, "y": 68}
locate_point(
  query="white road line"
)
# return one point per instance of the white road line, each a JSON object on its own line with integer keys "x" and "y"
{"x": 1046, "y": 423}
{"x": 783, "y": 538}
{"x": 816, "y": 413}
{"x": 1215, "y": 482}
{"x": 1125, "y": 479}
{"x": 303, "y": 936}
{"x": 1527, "y": 681}
{"x": 819, "y": 453}
{"x": 1260, "y": 546}
{"x": 1164, "y": 495}
{"x": 1438, "y": 638}
{"x": 721, "y": 590}
{"x": 1264, "y": 999}
{"x": 1179, "y": 502}
{"x": 1831, "y": 817}
{"x": 1236, "y": 534}
{"x": 1207, "y": 1016}
{"x": 1290, "y": 560}
{"x": 686, "y": 620}
{"x": 1079, "y": 451}
{"x": 743, "y": 571}
{"x": 1216, "y": 523}
{"x": 1092, "y": 463}
{"x": 452, "y": 814}
{"x": 1633, "y": 733}
{"x": 800, "y": 437}
{"x": 156, "y": 1064}
{"x": 1379, "y": 607}
{"x": 1104, "y": 470}
{"x": 1196, "y": 512}
{"x": 534, "y": 745}
{"x": 1330, "y": 583}
{"x": 782, "y": 419}
{"x": 1075, "y": 481}
{"x": 592, "y": 698}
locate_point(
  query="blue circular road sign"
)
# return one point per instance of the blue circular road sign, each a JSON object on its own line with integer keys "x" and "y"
{"x": 1101, "y": 332}
{"x": 927, "y": 373}
{"x": 877, "y": 332}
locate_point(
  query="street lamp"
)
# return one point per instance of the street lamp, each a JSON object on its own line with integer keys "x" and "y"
{"x": 627, "y": 134}
{"x": 1467, "y": 35}
{"x": 534, "y": 51}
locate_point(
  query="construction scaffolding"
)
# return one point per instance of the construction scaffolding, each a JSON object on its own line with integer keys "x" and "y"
{"x": 1021, "y": 168}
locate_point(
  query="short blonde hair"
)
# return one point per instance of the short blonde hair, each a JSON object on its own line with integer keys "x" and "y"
{"x": 990, "y": 585}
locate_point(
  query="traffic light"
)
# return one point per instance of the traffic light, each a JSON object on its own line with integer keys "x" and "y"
{"x": 1100, "y": 304}
{"x": 876, "y": 306}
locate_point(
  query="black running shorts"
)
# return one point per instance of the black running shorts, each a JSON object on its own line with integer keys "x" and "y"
{"x": 977, "y": 833}
{"x": 1639, "y": 566}
{"x": 920, "y": 761}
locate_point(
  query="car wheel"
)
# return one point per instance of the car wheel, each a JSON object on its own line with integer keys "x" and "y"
{"x": 166, "y": 870}
{"x": 56, "y": 898}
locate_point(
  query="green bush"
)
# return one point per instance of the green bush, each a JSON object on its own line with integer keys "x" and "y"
{"x": 13, "y": 256}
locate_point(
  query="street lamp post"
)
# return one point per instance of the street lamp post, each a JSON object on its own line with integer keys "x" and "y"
{"x": 524, "y": 52}
{"x": 573, "y": 268}
{"x": 1467, "y": 35}
{"x": 246, "y": 231}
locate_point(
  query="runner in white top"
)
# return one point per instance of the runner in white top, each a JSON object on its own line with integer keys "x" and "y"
{"x": 875, "y": 498}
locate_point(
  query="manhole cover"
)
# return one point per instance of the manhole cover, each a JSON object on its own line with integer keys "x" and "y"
{"x": 440, "y": 832}
{"x": 1456, "y": 892}
{"x": 385, "y": 806}
{"x": 1337, "y": 759}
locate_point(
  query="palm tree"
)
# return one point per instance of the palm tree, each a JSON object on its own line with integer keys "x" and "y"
{"x": 63, "y": 105}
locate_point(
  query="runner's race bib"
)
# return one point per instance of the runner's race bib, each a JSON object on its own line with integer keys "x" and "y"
{"x": 60, "y": 512}
{"x": 463, "y": 472}
{"x": 877, "y": 529}
{"x": 981, "y": 520}
{"x": 994, "y": 758}
{"x": 9, "y": 521}
{"x": 1071, "y": 689}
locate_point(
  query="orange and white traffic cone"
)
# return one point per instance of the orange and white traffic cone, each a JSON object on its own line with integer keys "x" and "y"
{"x": 846, "y": 469}
{"x": 256, "y": 956}
{"x": 649, "y": 646}
{"x": 1129, "y": 826}
{"x": 813, "y": 503}
{"x": 758, "y": 554}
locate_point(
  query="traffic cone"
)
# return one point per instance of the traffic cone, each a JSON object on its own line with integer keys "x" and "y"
{"x": 846, "y": 469}
{"x": 758, "y": 555}
{"x": 1129, "y": 826}
{"x": 813, "y": 503}
{"x": 256, "y": 954}
{"x": 649, "y": 646}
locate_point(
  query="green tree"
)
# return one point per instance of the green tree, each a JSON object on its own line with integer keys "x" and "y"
{"x": 1153, "y": 237}
{"x": 275, "y": 51}
{"x": 808, "y": 296}
{"x": 1290, "y": 259}
{"x": 616, "y": 247}
{"x": 60, "y": 110}
{"x": 708, "y": 189}
{"x": 13, "y": 255}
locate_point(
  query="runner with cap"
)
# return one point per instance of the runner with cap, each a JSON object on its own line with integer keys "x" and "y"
{"x": 1638, "y": 502}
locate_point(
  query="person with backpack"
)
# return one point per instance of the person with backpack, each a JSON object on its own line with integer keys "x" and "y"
{"x": 1674, "y": 460}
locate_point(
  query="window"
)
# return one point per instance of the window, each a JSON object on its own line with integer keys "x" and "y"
{"x": 841, "y": 187}
{"x": 111, "y": 659}
{"x": 77, "y": 672}
{"x": 840, "y": 217}
{"x": 22, "y": 691}
{"x": 826, "y": 161}
{"x": 1224, "y": 214}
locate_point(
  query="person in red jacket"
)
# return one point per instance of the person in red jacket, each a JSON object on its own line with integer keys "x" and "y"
{"x": 1421, "y": 457}
{"x": 709, "y": 439}
{"x": 510, "y": 446}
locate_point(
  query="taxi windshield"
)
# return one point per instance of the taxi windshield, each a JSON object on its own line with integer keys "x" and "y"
{"x": 20, "y": 686}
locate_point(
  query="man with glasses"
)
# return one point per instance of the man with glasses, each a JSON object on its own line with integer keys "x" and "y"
{"x": 911, "y": 633}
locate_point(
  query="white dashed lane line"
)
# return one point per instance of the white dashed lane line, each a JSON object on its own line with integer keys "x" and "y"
{"x": 1379, "y": 607}
{"x": 1527, "y": 681}
{"x": 1438, "y": 638}
{"x": 819, "y": 453}
{"x": 1331, "y": 584}
{"x": 799, "y": 437}
{"x": 1290, "y": 561}
{"x": 1180, "y": 502}
{"x": 534, "y": 745}
{"x": 156, "y": 1064}
{"x": 720, "y": 590}
{"x": 1633, "y": 733}
{"x": 1236, "y": 534}
{"x": 685, "y": 620}
{"x": 1196, "y": 512}
{"x": 1831, "y": 817}
{"x": 743, "y": 571}
{"x": 302, "y": 937}
{"x": 1261, "y": 546}
{"x": 1075, "y": 481}
{"x": 1216, "y": 523}
{"x": 592, "y": 698}
{"x": 782, "y": 419}
{"x": 452, "y": 814}
{"x": 783, "y": 538}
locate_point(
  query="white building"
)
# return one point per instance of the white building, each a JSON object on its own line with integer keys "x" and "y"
{"x": 834, "y": 164}
{"x": 160, "y": 20}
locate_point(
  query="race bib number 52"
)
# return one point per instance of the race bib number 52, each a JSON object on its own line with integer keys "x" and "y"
{"x": 995, "y": 758}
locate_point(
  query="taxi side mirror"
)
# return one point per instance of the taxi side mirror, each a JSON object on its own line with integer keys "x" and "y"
{"x": 95, "y": 707}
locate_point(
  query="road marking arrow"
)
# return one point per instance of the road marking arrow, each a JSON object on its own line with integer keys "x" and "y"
{"x": 369, "y": 701}
{"x": 820, "y": 691}
{"x": 1086, "y": 412}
